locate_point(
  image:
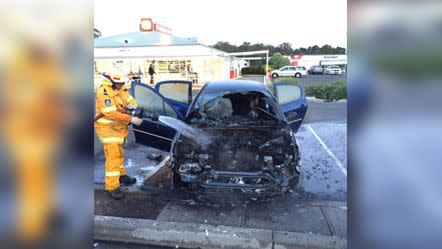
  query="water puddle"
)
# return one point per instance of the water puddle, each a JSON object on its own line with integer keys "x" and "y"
{"x": 148, "y": 168}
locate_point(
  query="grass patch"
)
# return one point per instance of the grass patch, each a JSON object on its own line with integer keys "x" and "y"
{"x": 331, "y": 91}
{"x": 286, "y": 79}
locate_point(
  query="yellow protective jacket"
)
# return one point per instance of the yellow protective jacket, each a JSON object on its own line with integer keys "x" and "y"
{"x": 112, "y": 128}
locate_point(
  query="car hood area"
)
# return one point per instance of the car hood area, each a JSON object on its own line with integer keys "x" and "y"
{"x": 255, "y": 160}
{"x": 251, "y": 148}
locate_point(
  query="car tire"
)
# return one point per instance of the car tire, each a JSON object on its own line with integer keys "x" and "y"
{"x": 297, "y": 75}
{"x": 275, "y": 75}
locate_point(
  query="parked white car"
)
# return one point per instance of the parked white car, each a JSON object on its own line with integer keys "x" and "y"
{"x": 289, "y": 71}
{"x": 333, "y": 69}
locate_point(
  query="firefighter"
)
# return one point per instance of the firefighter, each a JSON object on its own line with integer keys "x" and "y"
{"x": 112, "y": 127}
{"x": 35, "y": 80}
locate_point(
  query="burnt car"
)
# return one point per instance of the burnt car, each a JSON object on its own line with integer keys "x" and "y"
{"x": 250, "y": 129}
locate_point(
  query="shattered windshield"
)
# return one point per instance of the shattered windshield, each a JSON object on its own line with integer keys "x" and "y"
{"x": 234, "y": 108}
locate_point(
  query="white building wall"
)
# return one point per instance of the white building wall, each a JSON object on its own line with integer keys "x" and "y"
{"x": 310, "y": 60}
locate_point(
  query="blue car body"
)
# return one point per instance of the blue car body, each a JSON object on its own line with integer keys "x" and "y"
{"x": 177, "y": 104}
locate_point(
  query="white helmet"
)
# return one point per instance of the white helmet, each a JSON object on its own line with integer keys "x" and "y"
{"x": 117, "y": 75}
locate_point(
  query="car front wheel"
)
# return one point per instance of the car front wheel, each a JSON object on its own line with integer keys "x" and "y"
{"x": 274, "y": 75}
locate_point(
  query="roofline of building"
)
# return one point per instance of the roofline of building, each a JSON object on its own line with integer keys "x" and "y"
{"x": 225, "y": 54}
{"x": 142, "y": 57}
{"x": 148, "y": 46}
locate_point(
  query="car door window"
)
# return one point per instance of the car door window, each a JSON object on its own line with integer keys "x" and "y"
{"x": 152, "y": 102}
{"x": 288, "y": 93}
{"x": 285, "y": 69}
{"x": 175, "y": 91}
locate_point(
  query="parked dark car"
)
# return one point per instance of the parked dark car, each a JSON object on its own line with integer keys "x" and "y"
{"x": 316, "y": 69}
{"x": 252, "y": 151}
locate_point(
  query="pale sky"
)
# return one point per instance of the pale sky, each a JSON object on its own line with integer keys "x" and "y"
{"x": 302, "y": 23}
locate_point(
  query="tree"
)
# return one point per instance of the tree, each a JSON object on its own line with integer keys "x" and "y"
{"x": 327, "y": 49}
{"x": 278, "y": 61}
{"x": 339, "y": 50}
{"x": 283, "y": 48}
{"x": 245, "y": 46}
{"x": 301, "y": 50}
{"x": 227, "y": 47}
{"x": 316, "y": 50}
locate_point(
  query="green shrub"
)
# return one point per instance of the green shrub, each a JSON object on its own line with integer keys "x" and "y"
{"x": 255, "y": 70}
{"x": 252, "y": 70}
{"x": 331, "y": 91}
{"x": 263, "y": 69}
{"x": 245, "y": 70}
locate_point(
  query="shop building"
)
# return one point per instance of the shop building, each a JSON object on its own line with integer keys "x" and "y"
{"x": 172, "y": 57}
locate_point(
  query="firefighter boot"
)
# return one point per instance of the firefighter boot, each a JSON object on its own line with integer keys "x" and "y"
{"x": 117, "y": 194}
{"x": 127, "y": 180}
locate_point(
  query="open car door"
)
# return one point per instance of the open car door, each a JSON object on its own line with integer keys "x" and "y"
{"x": 154, "y": 133}
{"x": 291, "y": 99}
{"x": 177, "y": 92}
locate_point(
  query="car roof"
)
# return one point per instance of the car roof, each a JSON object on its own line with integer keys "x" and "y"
{"x": 235, "y": 86}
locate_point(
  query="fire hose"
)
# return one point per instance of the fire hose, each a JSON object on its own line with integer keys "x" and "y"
{"x": 135, "y": 112}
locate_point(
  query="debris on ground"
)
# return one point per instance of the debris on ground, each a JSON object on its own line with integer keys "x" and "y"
{"x": 155, "y": 156}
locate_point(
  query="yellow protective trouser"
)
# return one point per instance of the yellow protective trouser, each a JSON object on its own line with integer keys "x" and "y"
{"x": 35, "y": 191}
{"x": 114, "y": 168}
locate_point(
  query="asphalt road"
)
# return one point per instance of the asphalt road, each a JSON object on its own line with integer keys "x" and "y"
{"x": 326, "y": 112}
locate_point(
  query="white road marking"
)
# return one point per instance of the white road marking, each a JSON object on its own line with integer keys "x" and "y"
{"x": 330, "y": 153}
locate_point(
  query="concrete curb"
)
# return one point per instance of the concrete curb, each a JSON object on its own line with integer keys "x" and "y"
{"x": 160, "y": 233}
{"x": 315, "y": 100}
{"x": 251, "y": 75}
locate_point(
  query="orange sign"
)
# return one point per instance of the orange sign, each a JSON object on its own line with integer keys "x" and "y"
{"x": 146, "y": 24}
